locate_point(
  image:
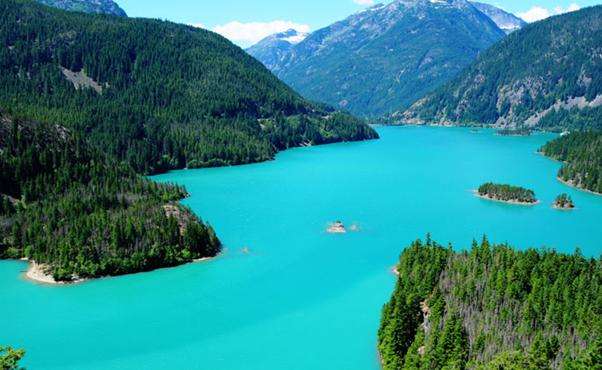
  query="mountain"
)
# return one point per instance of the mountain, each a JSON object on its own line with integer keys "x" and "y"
{"x": 78, "y": 214}
{"x": 87, "y": 6}
{"x": 272, "y": 49}
{"x": 492, "y": 307}
{"x": 386, "y": 56}
{"x": 154, "y": 94}
{"x": 547, "y": 75}
{"x": 508, "y": 22}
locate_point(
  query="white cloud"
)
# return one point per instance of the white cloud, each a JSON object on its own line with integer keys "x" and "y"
{"x": 538, "y": 13}
{"x": 364, "y": 2}
{"x": 573, "y": 8}
{"x": 246, "y": 34}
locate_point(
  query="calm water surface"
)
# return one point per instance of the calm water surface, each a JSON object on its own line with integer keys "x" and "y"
{"x": 300, "y": 298}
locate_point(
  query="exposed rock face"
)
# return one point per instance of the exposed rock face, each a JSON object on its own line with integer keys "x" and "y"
{"x": 87, "y": 6}
{"x": 81, "y": 81}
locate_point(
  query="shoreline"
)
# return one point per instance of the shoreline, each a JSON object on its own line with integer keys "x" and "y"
{"x": 512, "y": 202}
{"x": 554, "y": 206}
{"x": 567, "y": 182}
{"x": 570, "y": 184}
{"x": 36, "y": 273}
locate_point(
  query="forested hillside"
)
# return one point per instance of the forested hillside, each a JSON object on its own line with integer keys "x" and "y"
{"x": 581, "y": 153}
{"x": 154, "y": 94}
{"x": 492, "y": 307}
{"x": 547, "y": 75}
{"x": 69, "y": 207}
{"x": 87, "y": 6}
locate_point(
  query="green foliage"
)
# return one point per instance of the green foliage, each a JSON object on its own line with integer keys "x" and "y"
{"x": 527, "y": 73}
{"x": 82, "y": 214}
{"x": 492, "y": 307}
{"x": 9, "y": 358}
{"x": 419, "y": 271}
{"x": 507, "y": 193}
{"x": 582, "y": 157}
{"x": 154, "y": 94}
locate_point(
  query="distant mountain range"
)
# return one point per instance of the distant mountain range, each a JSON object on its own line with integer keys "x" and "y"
{"x": 546, "y": 75}
{"x": 506, "y": 21}
{"x": 387, "y": 56}
{"x": 87, "y": 6}
{"x": 273, "y": 49}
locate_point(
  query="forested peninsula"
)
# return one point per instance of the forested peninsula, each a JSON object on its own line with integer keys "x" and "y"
{"x": 492, "y": 307}
{"x": 154, "y": 94}
{"x": 581, "y": 154}
{"x": 80, "y": 214}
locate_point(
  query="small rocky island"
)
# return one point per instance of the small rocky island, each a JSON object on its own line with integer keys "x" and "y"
{"x": 564, "y": 202}
{"x": 337, "y": 228}
{"x": 507, "y": 193}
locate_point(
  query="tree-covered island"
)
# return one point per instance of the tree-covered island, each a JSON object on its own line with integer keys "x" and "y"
{"x": 507, "y": 193}
{"x": 492, "y": 307}
{"x": 564, "y": 201}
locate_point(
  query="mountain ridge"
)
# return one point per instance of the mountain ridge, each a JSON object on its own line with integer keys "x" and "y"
{"x": 87, "y": 6}
{"x": 546, "y": 75}
{"x": 387, "y": 55}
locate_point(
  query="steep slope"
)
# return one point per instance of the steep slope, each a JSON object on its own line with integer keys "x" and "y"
{"x": 388, "y": 55}
{"x": 80, "y": 214}
{"x": 155, "y": 94}
{"x": 87, "y": 6}
{"x": 272, "y": 49}
{"x": 492, "y": 307}
{"x": 546, "y": 75}
{"x": 508, "y": 22}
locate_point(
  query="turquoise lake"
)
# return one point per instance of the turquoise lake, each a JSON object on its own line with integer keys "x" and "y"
{"x": 285, "y": 294}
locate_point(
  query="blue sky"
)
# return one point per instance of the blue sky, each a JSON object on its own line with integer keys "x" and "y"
{"x": 246, "y": 21}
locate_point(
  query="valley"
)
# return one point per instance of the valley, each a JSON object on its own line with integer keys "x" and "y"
{"x": 168, "y": 200}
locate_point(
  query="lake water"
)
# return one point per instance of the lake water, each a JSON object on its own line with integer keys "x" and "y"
{"x": 300, "y": 298}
